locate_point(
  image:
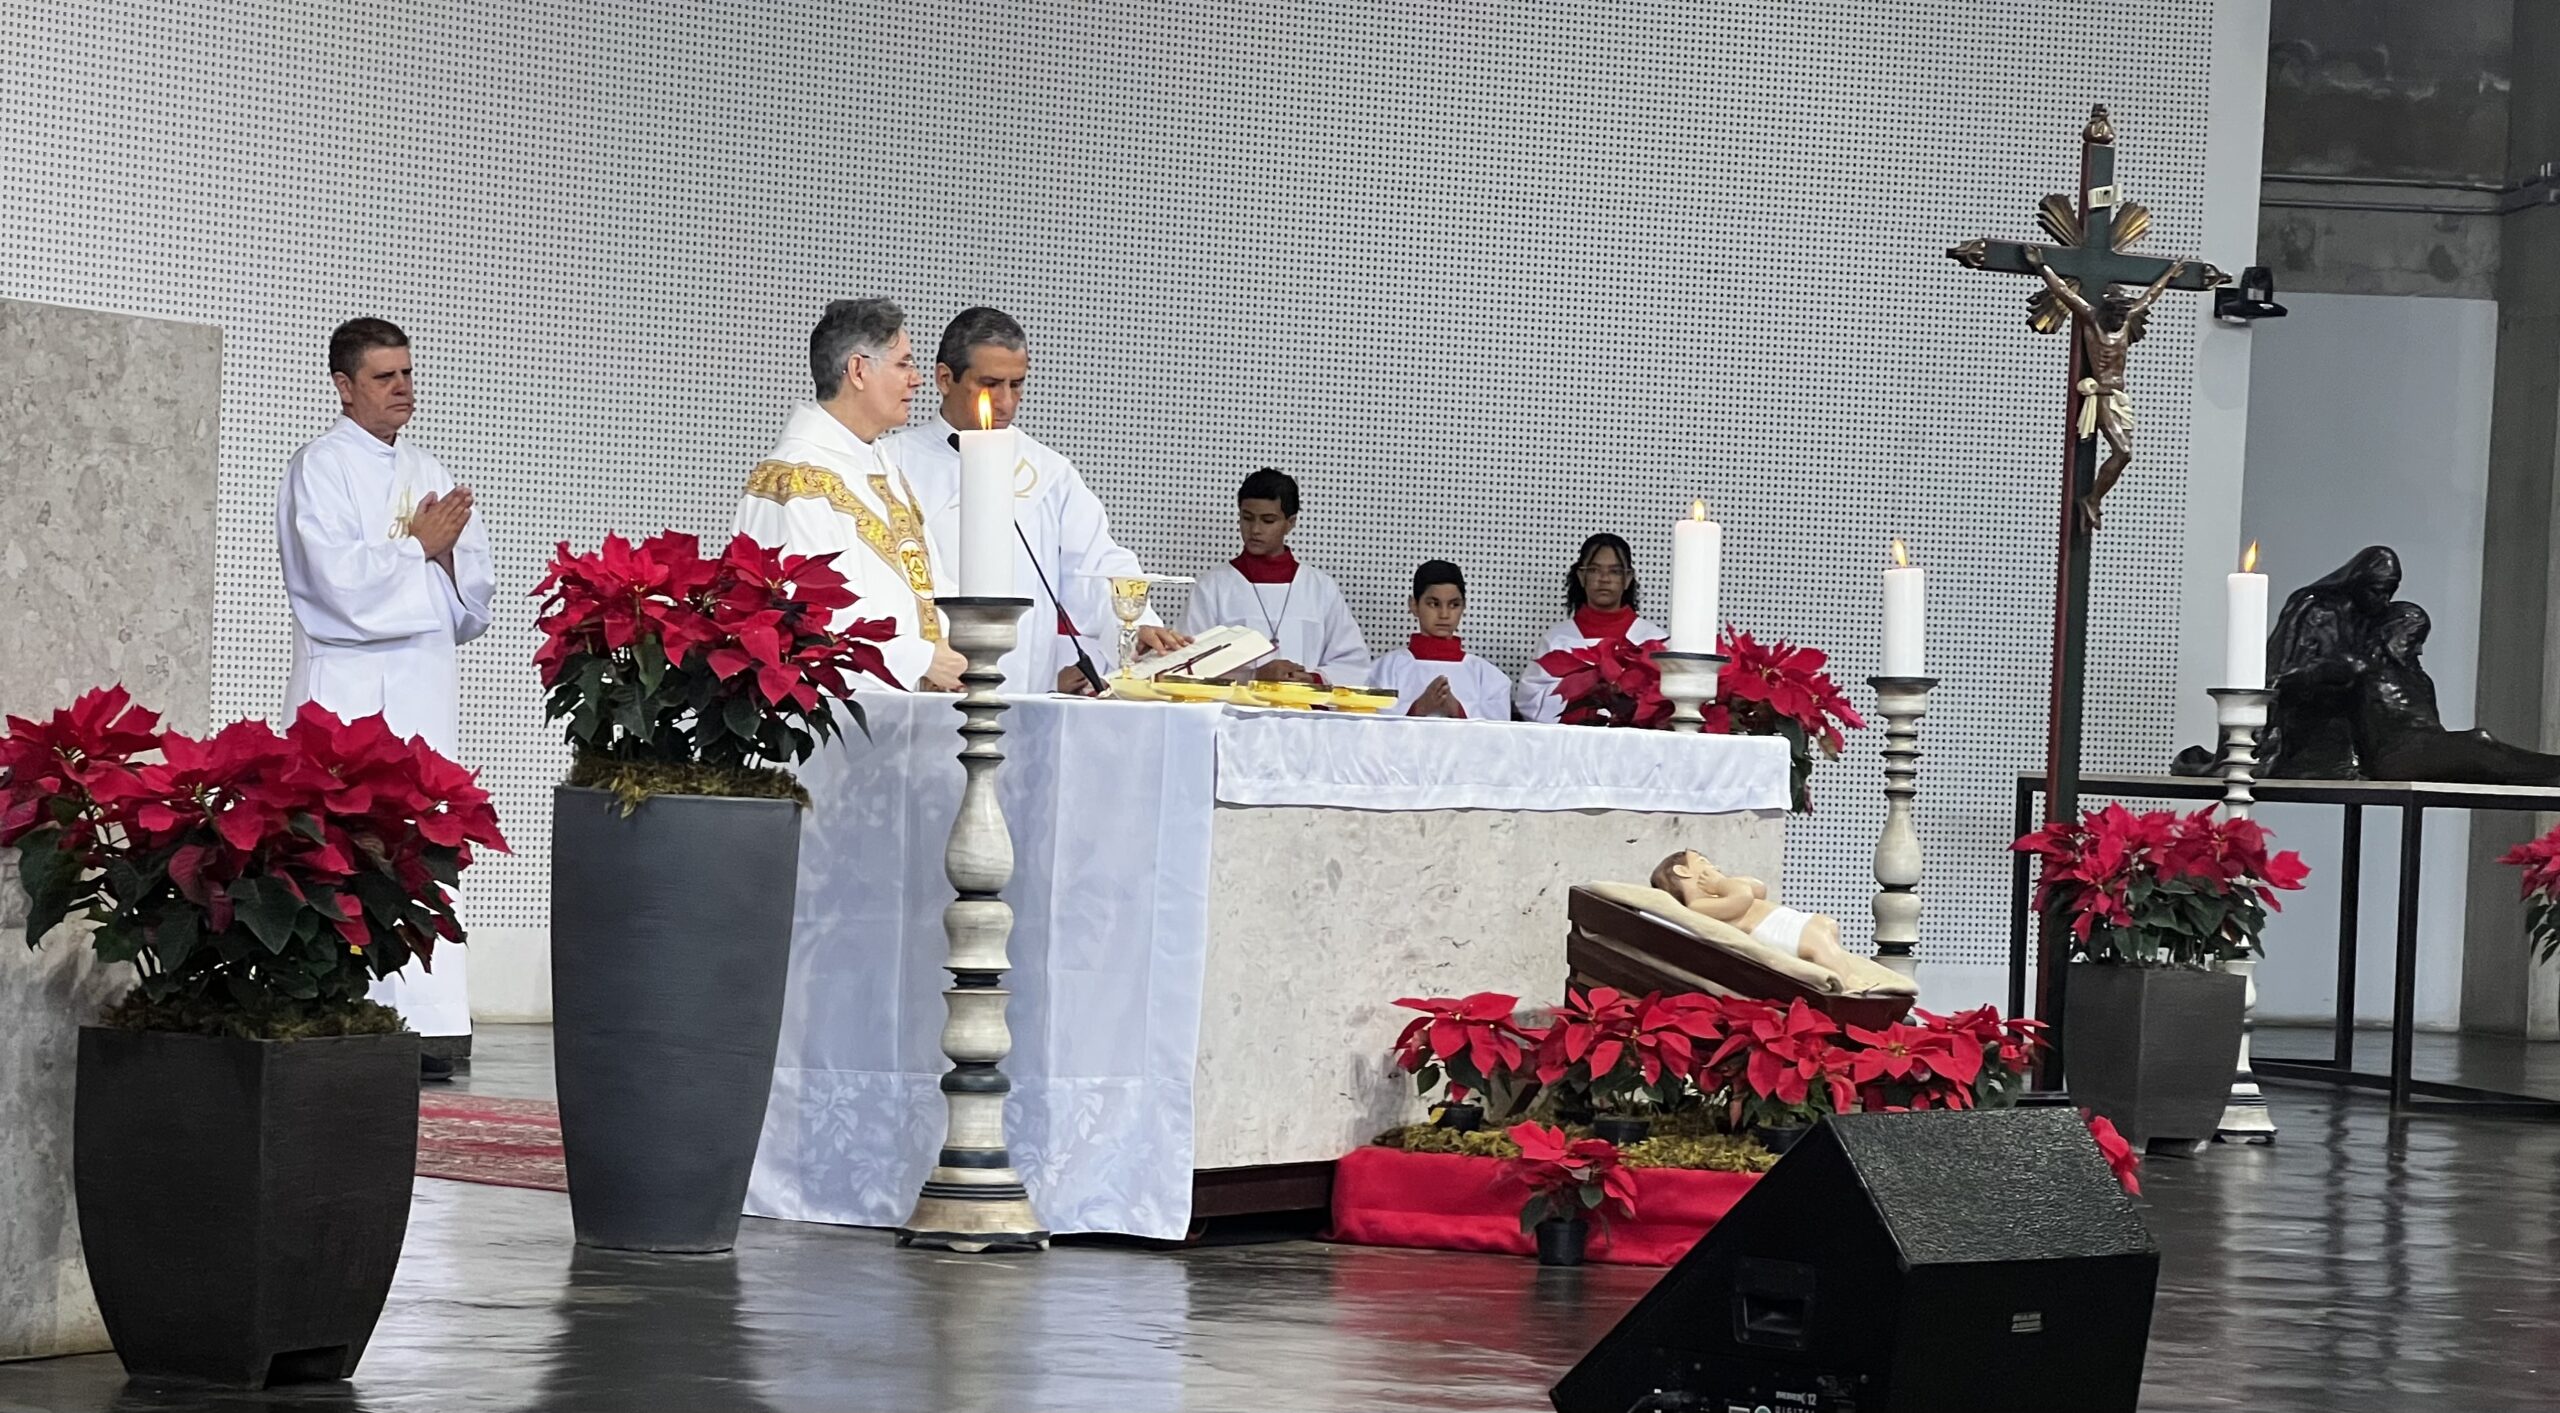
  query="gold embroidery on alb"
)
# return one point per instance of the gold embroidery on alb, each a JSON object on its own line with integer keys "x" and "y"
{"x": 898, "y": 540}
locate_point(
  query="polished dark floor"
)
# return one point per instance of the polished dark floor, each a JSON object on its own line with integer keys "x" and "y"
{"x": 2354, "y": 1265}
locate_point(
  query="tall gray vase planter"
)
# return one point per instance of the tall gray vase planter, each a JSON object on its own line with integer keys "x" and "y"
{"x": 670, "y": 941}
{"x": 2150, "y": 1048}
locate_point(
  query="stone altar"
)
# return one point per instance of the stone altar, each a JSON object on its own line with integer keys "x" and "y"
{"x": 107, "y": 446}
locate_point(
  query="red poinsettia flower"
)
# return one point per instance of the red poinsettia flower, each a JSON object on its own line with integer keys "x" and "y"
{"x": 1790, "y": 682}
{"x": 2119, "y": 1153}
{"x": 1571, "y": 1175}
{"x": 1611, "y": 682}
{"x": 1474, "y": 1038}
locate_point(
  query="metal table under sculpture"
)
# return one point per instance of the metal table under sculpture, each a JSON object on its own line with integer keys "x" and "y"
{"x": 2353, "y": 797}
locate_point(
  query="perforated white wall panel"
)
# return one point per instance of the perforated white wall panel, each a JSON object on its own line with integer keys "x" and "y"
{"x": 1486, "y": 278}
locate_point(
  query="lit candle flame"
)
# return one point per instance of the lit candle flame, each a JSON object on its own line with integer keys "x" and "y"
{"x": 2249, "y": 561}
{"x": 1697, "y": 510}
{"x": 1901, "y": 557}
{"x": 986, "y": 410}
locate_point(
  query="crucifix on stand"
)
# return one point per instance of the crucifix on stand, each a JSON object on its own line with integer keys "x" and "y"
{"x": 2079, "y": 271}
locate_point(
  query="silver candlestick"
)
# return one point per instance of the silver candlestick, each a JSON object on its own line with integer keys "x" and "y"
{"x": 973, "y": 1200}
{"x": 2242, "y": 713}
{"x": 1903, "y": 701}
{"x": 1689, "y": 680}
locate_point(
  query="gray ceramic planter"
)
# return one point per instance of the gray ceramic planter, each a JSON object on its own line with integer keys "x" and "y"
{"x": 2151, "y": 1048}
{"x": 670, "y": 941}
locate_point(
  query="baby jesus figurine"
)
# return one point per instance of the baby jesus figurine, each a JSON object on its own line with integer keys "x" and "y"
{"x": 1745, "y": 905}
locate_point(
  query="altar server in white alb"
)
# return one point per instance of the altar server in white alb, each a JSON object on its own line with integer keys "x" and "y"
{"x": 1266, "y": 589}
{"x": 1064, "y": 546}
{"x": 387, "y": 570}
{"x": 1600, "y": 589}
{"x": 829, "y": 487}
{"x": 1433, "y": 674}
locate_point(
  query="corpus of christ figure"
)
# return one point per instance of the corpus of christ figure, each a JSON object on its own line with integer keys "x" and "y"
{"x": 2107, "y": 331}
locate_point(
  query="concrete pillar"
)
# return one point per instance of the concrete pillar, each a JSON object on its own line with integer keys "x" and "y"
{"x": 2518, "y": 696}
{"x": 107, "y": 456}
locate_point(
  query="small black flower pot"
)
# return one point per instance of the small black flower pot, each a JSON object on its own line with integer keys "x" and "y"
{"x": 1562, "y": 1241}
{"x": 1778, "y": 1138}
{"x": 1461, "y": 1117}
{"x": 1621, "y": 1129}
{"x": 243, "y": 1202}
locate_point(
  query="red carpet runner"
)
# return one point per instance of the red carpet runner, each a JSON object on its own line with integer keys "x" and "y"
{"x": 1452, "y": 1202}
{"x": 500, "y": 1142}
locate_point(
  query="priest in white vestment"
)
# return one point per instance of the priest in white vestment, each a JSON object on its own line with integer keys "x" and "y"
{"x": 387, "y": 570}
{"x": 1433, "y": 674}
{"x": 1064, "y": 556}
{"x": 1600, "y": 590}
{"x": 1296, "y": 606}
{"x": 829, "y": 487}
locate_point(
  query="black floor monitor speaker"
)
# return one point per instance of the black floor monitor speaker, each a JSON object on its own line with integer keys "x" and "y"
{"x": 1985, "y": 1261}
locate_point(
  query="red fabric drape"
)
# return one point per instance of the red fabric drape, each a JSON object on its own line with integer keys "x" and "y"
{"x": 1451, "y": 1202}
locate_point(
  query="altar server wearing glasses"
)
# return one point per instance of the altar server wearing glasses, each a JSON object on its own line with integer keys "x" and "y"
{"x": 1266, "y": 589}
{"x": 1600, "y": 591}
{"x": 1433, "y": 674}
{"x": 1064, "y": 547}
{"x": 387, "y": 572}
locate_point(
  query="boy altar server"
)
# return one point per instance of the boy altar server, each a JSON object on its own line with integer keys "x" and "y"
{"x": 1065, "y": 545}
{"x": 1433, "y": 674}
{"x": 827, "y": 487}
{"x": 387, "y": 570}
{"x": 1266, "y": 589}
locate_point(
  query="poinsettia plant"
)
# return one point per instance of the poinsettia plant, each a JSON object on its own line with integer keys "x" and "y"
{"x": 678, "y": 670}
{"x": 2160, "y": 888}
{"x": 1473, "y": 1043}
{"x": 2539, "y": 861}
{"x": 1781, "y": 689}
{"x": 1569, "y": 1178}
{"x": 1791, "y": 1065}
{"x": 1774, "y": 690}
{"x": 1622, "y": 1053}
{"x": 258, "y": 881}
{"x": 1610, "y": 682}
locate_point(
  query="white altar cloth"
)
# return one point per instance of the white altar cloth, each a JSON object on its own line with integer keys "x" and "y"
{"x": 1268, "y": 757}
{"x": 1113, "y": 807}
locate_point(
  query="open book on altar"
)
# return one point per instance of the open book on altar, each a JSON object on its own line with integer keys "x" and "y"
{"x": 1213, "y": 654}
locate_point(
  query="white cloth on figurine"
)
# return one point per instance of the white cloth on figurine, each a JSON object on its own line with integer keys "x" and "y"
{"x": 1782, "y": 929}
{"x": 1479, "y": 685}
{"x": 1536, "y": 696}
{"x": 823, "y": 490}
{"x": 1276, "y": 757}
{"x": 375, "y": 628}
{"x": 1070, "y": 541}
{"x": 1306, "y": 617}
{"x": 1109, "y": 805}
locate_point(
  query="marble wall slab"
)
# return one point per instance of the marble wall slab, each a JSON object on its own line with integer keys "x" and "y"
{"x": 108, "y": 432}
{"x": 1325, "y": 916}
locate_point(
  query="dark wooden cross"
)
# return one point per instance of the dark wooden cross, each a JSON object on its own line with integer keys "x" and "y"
{"x": 2092, "y": 232}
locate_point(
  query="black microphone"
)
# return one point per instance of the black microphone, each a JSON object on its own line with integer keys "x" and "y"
{"x": 1084, "y": 661}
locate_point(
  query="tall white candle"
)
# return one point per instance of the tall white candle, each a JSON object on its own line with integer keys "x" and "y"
{"x": 987, "y": 460}
{"x": 1697, "y": 563}
{"x": 2244, "y": 635}
{"x": 1906, "y": 618}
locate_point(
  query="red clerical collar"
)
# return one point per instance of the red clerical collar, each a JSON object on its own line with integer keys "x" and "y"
{"x": 1278, "y": 568}
{"x": 1426, "y": 648}
{"x": 1598, "y": 624}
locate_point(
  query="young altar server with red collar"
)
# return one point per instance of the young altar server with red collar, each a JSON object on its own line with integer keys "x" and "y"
{"x": 1266, "y": 589}
{"x": 1601, "y": 591}
{"x": 1433, "y": 674}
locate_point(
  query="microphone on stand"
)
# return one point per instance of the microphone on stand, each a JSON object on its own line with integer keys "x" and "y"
{"x": 1084, "y": 662}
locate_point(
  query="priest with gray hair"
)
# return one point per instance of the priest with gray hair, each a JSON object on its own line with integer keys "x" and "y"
{"x": 829, "y": 486}
{"x": 1064, "y": 553}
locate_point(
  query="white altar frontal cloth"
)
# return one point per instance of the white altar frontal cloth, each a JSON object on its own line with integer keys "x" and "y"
{"x": 1113, "y": 808}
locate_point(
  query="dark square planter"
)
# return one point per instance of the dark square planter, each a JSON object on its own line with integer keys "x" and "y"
{"x": 243, "y": 1202}
{"x": 2152, "y": 1048}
